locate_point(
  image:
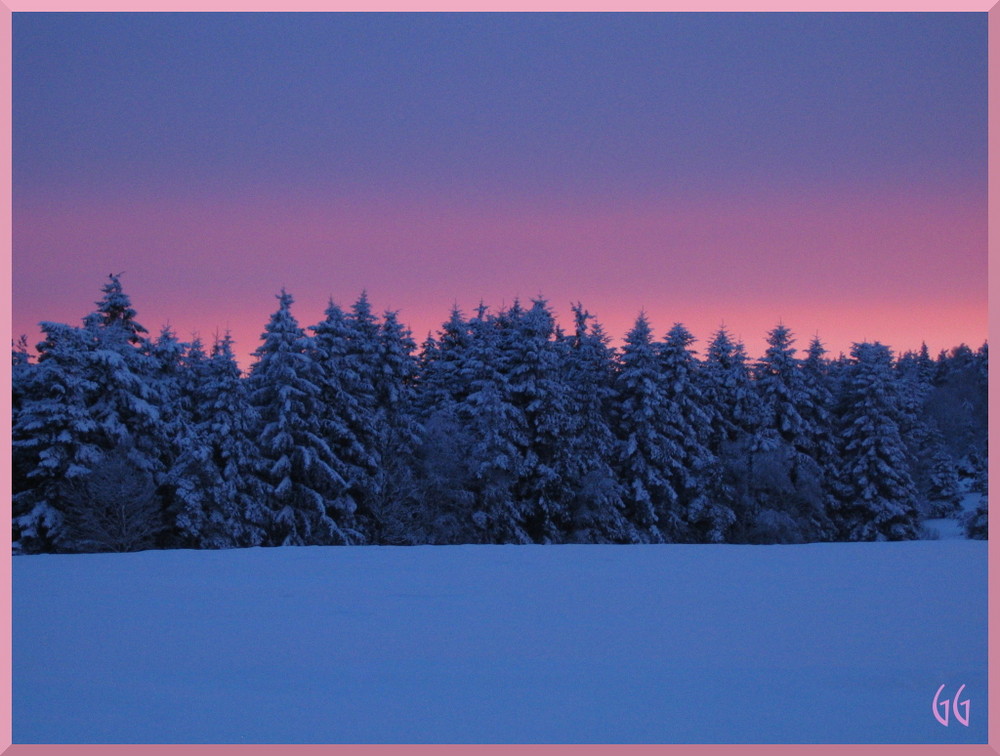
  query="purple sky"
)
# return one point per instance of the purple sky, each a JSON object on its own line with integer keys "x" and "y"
{"x": 825, "y": 170}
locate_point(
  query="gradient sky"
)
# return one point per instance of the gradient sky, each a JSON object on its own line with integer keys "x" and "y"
{"x": 825, "y": 170}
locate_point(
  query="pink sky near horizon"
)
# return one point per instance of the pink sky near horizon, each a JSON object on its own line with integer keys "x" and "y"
{"x": 852, "y": 266}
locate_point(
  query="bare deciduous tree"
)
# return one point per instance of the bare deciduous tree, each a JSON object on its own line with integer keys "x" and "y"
{"x": 114, "y": 508}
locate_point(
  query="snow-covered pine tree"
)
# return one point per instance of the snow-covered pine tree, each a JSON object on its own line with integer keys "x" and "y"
{"x": 441, "y": 381}
{"x": 231, "y": 424}
{"x": 115, "y": 309}
{"x": 346, "y": 407}
{"x": 194, "y": 370}
{"x": 216, "y": 476}
{"x": 980, "y": 407}
{"x": 958, "y": 408}
{"x": 22, "y": 371}
{"x": 642, "y": 454}
{"x": 55, "y": 440}
{"x": 93, "y": 392}
{"x": 365, "y": 381}
{"x": 394, "y": 506}
{"x": 539, "y": 393}
{"x": 982, "y": 362}
{"x": 190, "y": 477}
{"x": 916, "y": 367}
{"x": 942, "y": 492}
{"x": 307, "y": 498}
{"x": 930, "y": 466}
{"x": 734, "y": 409}
{"x": 395, "y": 387}
{"x": 128, "y": 408}
{"x": 779, "y": 383}
{"x": 925, "y": 365}
{"x": 444, "y": 471}
{"x": 596, "y": 512}
{"x": 729, "y": 396}
{"x": 497, "y": 430}
{"x": 877, "y": 499}
{"x": 786, "y": 479}
{"x": 167, "y": 380}
{"x": 817, "y": 411}
{"x": 690, "y": 466}
{"x": 20, "y": 362}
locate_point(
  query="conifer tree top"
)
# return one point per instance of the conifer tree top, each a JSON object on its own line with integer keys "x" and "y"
{"x": 115, "y": 308}
{"x": 641, "y": 332}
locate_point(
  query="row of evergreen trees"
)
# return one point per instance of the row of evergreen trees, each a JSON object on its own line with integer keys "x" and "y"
{"x": 502, "y": 429}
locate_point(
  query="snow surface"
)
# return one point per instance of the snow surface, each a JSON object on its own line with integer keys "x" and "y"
{"x": 610, "y": 644}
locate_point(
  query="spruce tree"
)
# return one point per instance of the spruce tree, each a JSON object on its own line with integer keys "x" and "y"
{"x": 539, "y": 394}
{"x": 643, "y": 452}
{"x": 394, "y": 505}
{"x": 307, "y": 498}
{"x": 943, "y": 494}
{"x": 441, "y": 373}
{"x": 129, "y": 408}
{"x": 115, "y": 310}
{"x": 930, "y": 465}
{"x": 787, "y": 480}
{"x": 730, "y": 399}
{"x": 779, "y": 382}
{"x": 366, "y": 380}
{"x": 216, "y": 476}
{"x": 444, "y": 471}
{"x": 55, "y": 440}
{"x": 167, "y": 380}
{"x": 596, "y": 510}
{"x": 22, "y": 374}
{"x": 877, "y": 499}
{"x": 497, "y": 429}
{"x": 818, "y": 490}
{"x": 690, "y": 465}
{"x": 346, "y": 407}
{"x": 93, "y": 393}
{"x": 734, "y": 409}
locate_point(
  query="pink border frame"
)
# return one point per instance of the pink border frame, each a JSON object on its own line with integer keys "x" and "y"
{"x": 497, "y": 5}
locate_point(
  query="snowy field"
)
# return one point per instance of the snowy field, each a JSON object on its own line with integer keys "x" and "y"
{"x": 618, "y": 644}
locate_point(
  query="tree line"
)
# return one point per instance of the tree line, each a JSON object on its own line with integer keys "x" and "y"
{"x": 502, "y": 428}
